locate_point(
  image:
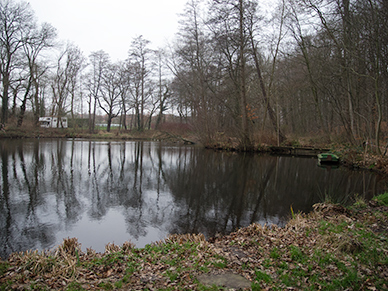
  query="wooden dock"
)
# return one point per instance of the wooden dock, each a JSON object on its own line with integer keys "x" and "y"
{"x": 297, "y": 151}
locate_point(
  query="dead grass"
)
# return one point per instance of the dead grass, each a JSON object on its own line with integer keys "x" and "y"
{"x": 332, "y": 248}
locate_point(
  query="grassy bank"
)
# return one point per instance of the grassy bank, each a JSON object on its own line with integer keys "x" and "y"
{"x": 332, "y": 248}
{"x": 36, "y": 132}
{"x": 115, "y": 134}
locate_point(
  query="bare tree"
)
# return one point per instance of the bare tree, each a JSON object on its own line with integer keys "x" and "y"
{"x": 124, "y": 84}
{"x": 342, "y": 45}
{"x": 98, "y": 64}
{"x": 110, "y": 99}
{"x": 16, "y": 22}
{"x": 63, "y": 84}
{"x": 140, "y": 70}
{"x": 252, "y": 22}
{"x": 229, "y": 20}
{"x": 34, "y": 43}
{"x": 163, "y": 90}
{"x": 303, "y": 42}
{"x": 194, "y": 65}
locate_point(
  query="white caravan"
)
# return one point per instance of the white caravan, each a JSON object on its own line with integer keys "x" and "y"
{"x": 52, "y": 122}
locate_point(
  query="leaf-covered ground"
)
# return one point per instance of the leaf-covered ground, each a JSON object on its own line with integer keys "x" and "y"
{"x": 332, "y": 248}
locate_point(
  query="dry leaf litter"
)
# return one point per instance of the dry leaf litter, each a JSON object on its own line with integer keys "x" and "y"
{"x": 314, "y": 251}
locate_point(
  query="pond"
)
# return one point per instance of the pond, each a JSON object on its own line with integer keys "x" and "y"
{"x": 117, "y": 191}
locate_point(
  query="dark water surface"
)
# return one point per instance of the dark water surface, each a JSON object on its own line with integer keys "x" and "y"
{"x": 117, "y": 191}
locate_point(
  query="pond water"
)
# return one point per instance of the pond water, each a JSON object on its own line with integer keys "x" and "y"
{"x": 117, "y": 191}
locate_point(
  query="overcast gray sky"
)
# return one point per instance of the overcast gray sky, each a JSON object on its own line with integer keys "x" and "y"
{"x": 110, "y": 25}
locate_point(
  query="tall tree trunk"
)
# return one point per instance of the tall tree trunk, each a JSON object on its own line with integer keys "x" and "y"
{"x": 125, "y": 119}
{"x": 269, "y": 108}
{"x": 163, "y": 98}
{"x": 90, "y": 113}
{"x": 94, "y": 115}
{"x": 314, "y": 89}
{"x": 38, "y": 106}
{"x": 24, "y": 102}
{"x": 246, "y": 139}
{"x": 346, "y": 24}
{"x": 4, "y": 104}
{"x": 109, "y": 123}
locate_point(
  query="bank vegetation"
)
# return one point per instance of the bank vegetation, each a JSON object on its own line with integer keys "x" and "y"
{"x": 331, "y": 248}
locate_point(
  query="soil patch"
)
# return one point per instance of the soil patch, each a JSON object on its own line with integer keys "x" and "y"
{"x": 228, "y": 280}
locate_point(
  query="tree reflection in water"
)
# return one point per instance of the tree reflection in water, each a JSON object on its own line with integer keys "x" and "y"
{"x": 113, "y": 191}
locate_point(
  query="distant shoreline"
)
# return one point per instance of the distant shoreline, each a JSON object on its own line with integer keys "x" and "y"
{"x": 351, "y": 157}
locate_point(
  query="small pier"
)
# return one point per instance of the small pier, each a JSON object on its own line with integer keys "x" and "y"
{"x": 297, "y": 151}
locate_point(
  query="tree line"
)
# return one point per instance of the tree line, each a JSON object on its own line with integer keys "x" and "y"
{"x": 39, "y": 74}
{"x": 310, "y": 67}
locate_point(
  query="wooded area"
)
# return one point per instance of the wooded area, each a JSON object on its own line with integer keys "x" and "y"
{"x": 316, "y": 68}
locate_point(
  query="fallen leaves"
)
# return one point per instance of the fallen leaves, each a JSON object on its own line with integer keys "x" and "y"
{"x": 332, "y": 247}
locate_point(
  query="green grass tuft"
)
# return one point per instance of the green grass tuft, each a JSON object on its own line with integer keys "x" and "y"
{"x": 382, "y": 199}
{"x": 261, "y": 276}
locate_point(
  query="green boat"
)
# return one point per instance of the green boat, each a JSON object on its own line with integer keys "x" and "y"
{"x": 328, "y": 158}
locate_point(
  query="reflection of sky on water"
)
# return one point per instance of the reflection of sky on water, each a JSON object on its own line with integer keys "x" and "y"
{"x": 119, "y": 191}
{"x": 96, "y": 234}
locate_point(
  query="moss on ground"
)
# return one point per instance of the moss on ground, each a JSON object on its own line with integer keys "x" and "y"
{"x": 331, "y": 248}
